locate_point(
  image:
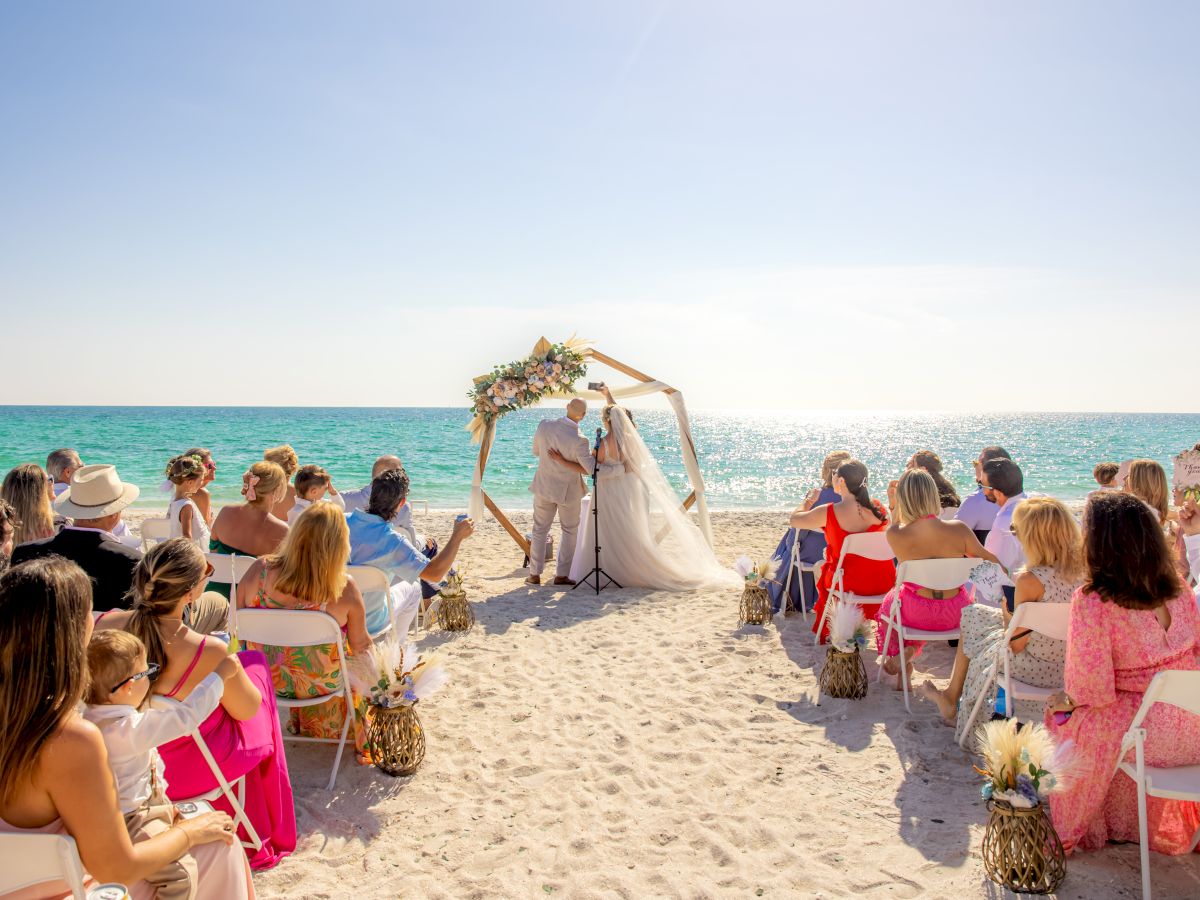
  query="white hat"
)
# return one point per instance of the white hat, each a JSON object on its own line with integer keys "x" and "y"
{"x": 95, "y": 492}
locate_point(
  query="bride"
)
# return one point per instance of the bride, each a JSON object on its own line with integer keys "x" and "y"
{"x": 646, "y": 538}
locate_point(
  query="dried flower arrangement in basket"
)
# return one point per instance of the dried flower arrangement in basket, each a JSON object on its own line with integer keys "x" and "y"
{"x": 755, "y": 607}
{"x": 451, "y": 610}
{"x": 844, "y": 674}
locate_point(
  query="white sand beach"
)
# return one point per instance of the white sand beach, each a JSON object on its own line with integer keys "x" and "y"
{"x": 639, "y": 744}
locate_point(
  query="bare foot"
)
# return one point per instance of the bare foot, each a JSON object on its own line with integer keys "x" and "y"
{"x": 948, "y": 710}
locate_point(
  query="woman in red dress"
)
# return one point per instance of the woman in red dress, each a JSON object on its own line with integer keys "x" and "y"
{"x": 855, "y": 513}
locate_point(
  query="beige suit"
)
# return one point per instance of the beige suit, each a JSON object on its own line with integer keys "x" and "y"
{"x": 557, "y": 491}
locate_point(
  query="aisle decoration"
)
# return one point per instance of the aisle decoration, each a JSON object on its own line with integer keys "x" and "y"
{"x": 551, "y": 369}
{"x": 1021, "y": 849}
{"x": 844, "y": 674}
{"x": 394, "y": 679}
{"x": 451, "y": 611}
{"x": 755, "y": 608}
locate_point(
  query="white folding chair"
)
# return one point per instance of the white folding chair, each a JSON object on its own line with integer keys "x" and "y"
{"x": 798, "y": 568}
{"x": 230, "y": 569}
{"x": 870, "y": 545}
{"x": 1180, "y": 689}
{"x": 236, "y": 800}
{"x": 30, "y": 859}
{"x": 304, "y": 628}
{"x": 372, "y": 580}
{"x": 1050, "y": 619}
{"x": 936, "y": 575}
{"x": 154, "y": 531}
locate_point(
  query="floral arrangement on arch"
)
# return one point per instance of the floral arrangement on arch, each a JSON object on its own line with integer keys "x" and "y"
{"x": 390, "y": 674}
{"x": 526, "y": 382}
{"x": 1023, "y": 766}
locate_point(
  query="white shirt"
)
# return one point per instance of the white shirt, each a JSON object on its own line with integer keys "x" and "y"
{"x": 59, "y": 487}
{"x": 1192, "y": 543}
{"x": 978, "y": 512}
{"x": 402, "y": 521}
{"x": 131, "y": 736}
{"x": 302, "y": 505}
{"x": 1001, "y": 541}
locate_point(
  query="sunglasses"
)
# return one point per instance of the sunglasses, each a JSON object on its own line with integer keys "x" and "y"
{"x": 151, "y": 673}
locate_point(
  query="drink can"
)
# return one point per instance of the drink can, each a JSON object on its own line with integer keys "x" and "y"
{"x": 110, "y": 891}
{"x": 461, "y": 518}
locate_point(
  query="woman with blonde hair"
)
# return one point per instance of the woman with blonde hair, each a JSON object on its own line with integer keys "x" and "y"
{"x": 1053, "y": 570}
{"x": 251, "y": 528}
{"x": 917, "y": 532}
{"x": 29, "y": 490}
{"x": 309, "y": 572}
{"x": 1148, "y": 481}
{"x": 285, "y": 457}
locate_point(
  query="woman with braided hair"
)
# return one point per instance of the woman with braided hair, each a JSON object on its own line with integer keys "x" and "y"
{"x": 855, "y": 513}
{"x": 243, "y": 733}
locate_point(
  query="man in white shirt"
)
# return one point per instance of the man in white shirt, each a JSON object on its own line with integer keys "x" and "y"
{"x": 977, "y": 510}
{"x": 1004, "y": 485}
{"x": 1189, "y": 524}
{"x": 61, "y": 464}
{"x": 402, "y": 521}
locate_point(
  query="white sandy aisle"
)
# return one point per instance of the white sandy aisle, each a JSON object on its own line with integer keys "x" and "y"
{"x": 639, "y": 745}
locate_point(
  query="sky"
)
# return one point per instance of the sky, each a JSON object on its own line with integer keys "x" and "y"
{"x": 804, "y": 205}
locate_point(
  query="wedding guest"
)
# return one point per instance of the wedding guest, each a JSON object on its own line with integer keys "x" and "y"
{"x": 1189, "y": 529}
{"x": 812, "y": 543}
{"x": 1053, "y": 570}
{"x": 8, "y": 532}
{"x": 119, "y": 677}
{"x": 309, "y": 572}
{"x": 932, "y": 463}
{"x": 977, "y": 510}
{"x": 373, "y": 542}
{"x": 402, "y": 521}
{"x": 94, "y": 500}
{"x": 250, "y": 528}
{"x": 1004, "y": 485}
{"x": 918, "y": 532}
{"x": 855, "y": 513}
{"x": 27, "y": 489}
{"x": 1105, "y": 474}
{"x": 1147, "y": 481}
{"x": 1131, "y": 619}
{"x": 61, "y": 465}
{"x": 311, "y": 483}
{"x": 202, "y": 498}
{"x": 186, "y": 473}
{"x": 54, "y": 769}
{"x": 243, "y": 733}
{"x": 284, "y": 457}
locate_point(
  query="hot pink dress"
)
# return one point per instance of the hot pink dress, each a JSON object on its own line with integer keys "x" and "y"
{"x": 1112, "y": 654}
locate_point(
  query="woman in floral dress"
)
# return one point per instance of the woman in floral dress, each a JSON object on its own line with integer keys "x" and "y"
{"x": 1131, "y": 619}
{"x": 309, "y": 572}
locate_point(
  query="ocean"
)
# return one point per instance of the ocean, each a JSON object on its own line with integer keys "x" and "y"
{"x": 750, "y": 460}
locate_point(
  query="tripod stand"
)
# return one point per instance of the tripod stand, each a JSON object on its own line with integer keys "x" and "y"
{"x": 597, "y": 572}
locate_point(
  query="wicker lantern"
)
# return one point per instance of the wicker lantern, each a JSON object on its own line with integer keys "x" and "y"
{"x": 755, "y": 608}
{"x": 396, "y": 739}
{"x": 453, "y": 612}
{"x": 843, "y": 675}
{"x": 1021, "y": 849}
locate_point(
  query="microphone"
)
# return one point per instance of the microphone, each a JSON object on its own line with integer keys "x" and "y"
{"x": 599, "y": 432}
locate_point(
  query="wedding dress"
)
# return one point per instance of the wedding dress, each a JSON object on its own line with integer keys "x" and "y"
{"x": 646, "y": 539}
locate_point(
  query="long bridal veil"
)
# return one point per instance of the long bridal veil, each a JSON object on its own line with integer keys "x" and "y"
{"x": 658, "y": 542}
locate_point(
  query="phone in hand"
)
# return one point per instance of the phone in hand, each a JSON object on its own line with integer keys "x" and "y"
{"x": 595, "y": 385}
{"x": 189, "y": 809}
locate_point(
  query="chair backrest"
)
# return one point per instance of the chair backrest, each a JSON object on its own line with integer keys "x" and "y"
{"x": 288, "y": 627}
{"x": 228, "y": 568}
{"x": 31, "y": 859}
{"x": 936, "y": 574}
{"x": 369, "y": 578}
{"x": 869, "y": 545}
{"x": 1176, "y": 687}
{"x": 1050, "y": 619}
{"x": 155, "y": 531}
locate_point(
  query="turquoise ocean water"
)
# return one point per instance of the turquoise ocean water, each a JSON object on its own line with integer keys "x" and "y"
{"x": 749, "y": 460}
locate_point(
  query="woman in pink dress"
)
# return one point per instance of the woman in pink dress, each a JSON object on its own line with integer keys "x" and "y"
{"x": 1131, "y": 619}
{"x": 54, "y": 773}
{"x": 243, "y": 733}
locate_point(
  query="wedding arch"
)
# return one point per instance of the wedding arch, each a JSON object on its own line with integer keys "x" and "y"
{"x": 549, "y": 371}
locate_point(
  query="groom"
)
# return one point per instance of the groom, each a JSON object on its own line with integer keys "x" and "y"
{"x": 557, "y": 489}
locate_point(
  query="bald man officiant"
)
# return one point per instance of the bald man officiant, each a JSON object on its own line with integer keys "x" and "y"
{"x": 558, "y": 490}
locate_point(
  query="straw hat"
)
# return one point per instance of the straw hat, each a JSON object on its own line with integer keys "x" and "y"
{"x": 95, "y": 492}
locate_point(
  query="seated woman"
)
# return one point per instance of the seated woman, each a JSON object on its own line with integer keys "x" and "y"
{"x": 1148, "y": 482}
{"x": 812, "y": 543}
{"x": 1053, "y": 569}
{"x": 29, "y": 490}
{"x": 1131, "y": 619}
{"x": 855, "y": 513}
{"x": 8, "y": 532}
{"x": 284, "y": 457}
{"x": 243, "y": 733}
{"x": 202, "y": 498}
{"x": 948, "y": 499}
{"x": 250, "y": 528}
{"x": 309, "y": 572}
{"x": 54, "y": 772}
{"x": 916, "y": 532}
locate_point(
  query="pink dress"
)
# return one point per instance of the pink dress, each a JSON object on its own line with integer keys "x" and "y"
{"x": 1112, "y": 654}
{"x": 923, "y": 613}
{"x": 223, "y": 873}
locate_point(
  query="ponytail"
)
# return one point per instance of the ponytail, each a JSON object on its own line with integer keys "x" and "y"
{"x": 161, "y": 579}
{"x": 854, "y": 474}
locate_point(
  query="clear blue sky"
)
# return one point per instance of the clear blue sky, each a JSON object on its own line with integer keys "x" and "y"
{"x": 950, "y": 205}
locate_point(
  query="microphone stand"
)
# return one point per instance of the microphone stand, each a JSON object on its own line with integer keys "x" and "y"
{"x": 597, "y": 572}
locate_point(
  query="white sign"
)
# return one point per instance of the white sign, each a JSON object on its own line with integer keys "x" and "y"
{"x": 988, "y": 579}
{"x": 1187, "y": 473}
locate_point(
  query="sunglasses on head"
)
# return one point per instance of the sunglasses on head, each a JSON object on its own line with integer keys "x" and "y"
{"x": 151, "y": 673}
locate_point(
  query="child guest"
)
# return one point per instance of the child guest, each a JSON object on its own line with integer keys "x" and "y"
{"x": 312, "y": 483}
{"x": 187, "y": 473}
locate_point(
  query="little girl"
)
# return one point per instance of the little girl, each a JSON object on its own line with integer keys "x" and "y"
{"x": 187, "y": 474}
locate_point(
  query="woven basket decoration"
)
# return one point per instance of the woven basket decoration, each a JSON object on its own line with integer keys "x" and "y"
{"x": 844, "y": 675}
{"x": 1021, "y": 849}
{"x": 755, "y": 608}
{"x": 453, "y": 613}
{"x": 396, "y": 739}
